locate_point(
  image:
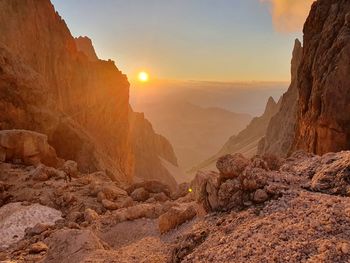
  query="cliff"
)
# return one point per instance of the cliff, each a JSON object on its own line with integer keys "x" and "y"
{"x": 92, "y": 95}
{"x": 323, "y": 122}
{"x": 246, "y": 142}
{"x": 84, "y": 44}
{"x": 54, "y": 84}
{"x": 149, "y": 149}
{"x": 281, "y": 129}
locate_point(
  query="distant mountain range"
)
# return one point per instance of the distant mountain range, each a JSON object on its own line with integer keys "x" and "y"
{"x": 195, "y": 132}
{"x": 200, "y": 128}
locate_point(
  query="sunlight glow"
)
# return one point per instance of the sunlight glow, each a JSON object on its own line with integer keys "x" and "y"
{"x": 143, "y": 76}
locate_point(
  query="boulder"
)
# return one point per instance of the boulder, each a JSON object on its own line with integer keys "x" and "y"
{"x": 120, "y": 203}
{"x": 231, "y": 166}
{"x": 160, "y": 197}
{"x": 332, "y": 175}
{"x": 140, "y": 195}
{"x": 37, "y": 229}
{"x": 110, "y": 205}
{"x": 230, "y": 194}
{"x": 253, "y": 178}
{"x": 260, "y": 196}
{"x": 44, "y": 173}
{"x": 175, "y": 217}
{"x": 106, "y": 190}
{"x": 16, "y": 218}
{"x": 38, "y": 247}
{"x": 90, "y": 215}
{"x": 182, "y": 190}
{"x": 204, "y": 189}
{"x": 151, "y": 187}
{"x": 31, "y": 148}
{"x": 143, "y": 210}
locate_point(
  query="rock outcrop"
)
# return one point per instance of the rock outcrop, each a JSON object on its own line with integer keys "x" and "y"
{"x": 246, "y": 142}
{"x": 280, "y": 133}
{"x": 28, "y": 147}
{"x": 323, "y": 82}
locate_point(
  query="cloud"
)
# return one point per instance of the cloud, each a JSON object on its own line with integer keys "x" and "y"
{"x": 289, "y": 15}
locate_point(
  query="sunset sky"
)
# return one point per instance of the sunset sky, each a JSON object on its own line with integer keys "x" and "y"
{"x": 220, "y": 40}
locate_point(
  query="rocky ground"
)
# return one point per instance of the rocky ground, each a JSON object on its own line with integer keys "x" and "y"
{"x": 253, "y": 210}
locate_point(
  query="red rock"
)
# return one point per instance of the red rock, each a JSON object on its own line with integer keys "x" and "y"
{"x": 323, "y": 108}
{"x": 175, "y": 217}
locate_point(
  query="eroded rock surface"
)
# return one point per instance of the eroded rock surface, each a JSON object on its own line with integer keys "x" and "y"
{"x": 323, "y": 109}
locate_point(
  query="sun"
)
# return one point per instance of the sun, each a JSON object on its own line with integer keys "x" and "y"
{"x": 143, "y": 76}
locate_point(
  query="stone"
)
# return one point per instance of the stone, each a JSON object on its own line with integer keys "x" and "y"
{"x": 231, "y": 166}
{"x": 143, "y": 210}
{"x": 253, "y": 178}
{"x": 140, "y": 195}
{"x": 260, "y": 196}
{"x": 90, "y": 215}
{"x": 182, "y": 190}
{"x": 37, "y": 229}
{"x": 38, "y": 247}
{"x": 15, "y": 219}
{"x": 204, "y": 189}
{"x": 175, "y": 217}
{"x": 151, "y": 187}
{"x": 160, "y": 197}
{"x": 109, "y": 205}
{"x": 230, "y": 194}
{"x": 112, "y": 192}
{"x": 332, "y": 175}
{"x": 44, "y": 173}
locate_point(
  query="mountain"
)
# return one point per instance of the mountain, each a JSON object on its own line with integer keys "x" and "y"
{"x": 194, "y": 131}
{"x": 150, "y": 149}
{"x": 246, "y": 142}
{"x": 280, "y": 133}
{"x": 323, "y": 122}
{"x": 55, "y": 84}
{"x": 314, "y": 114}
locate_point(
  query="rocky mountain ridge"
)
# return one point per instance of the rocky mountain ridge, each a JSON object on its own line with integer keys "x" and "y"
{"x": 280, "y": 132}
{"x": 314, "y": 115}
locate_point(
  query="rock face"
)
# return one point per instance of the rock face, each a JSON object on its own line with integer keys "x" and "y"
{"x": 84, "y": 44}
{"x": 93, "y": 96}
{"x": 149, "y": 148}
{"x": 323, "y": 81}
{"x": 54, "y": 84}
{"x": 280, "y": 133}
{"x": 246, "y": 142}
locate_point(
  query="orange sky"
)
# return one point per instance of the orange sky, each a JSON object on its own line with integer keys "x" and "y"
{"x": 214, "y": 40}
